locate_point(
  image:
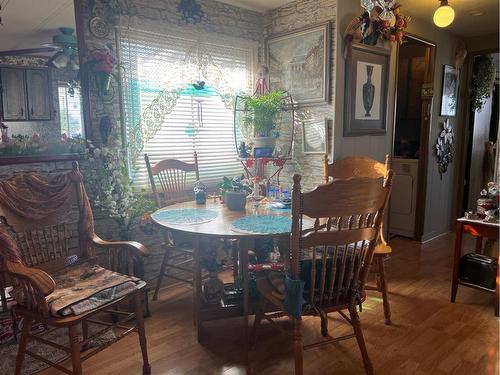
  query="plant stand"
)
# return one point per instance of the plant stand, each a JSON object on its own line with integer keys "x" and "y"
{"x": 254, "y": 165}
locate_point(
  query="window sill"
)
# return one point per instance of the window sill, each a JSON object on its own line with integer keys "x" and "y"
{"x": 25, "y": 159}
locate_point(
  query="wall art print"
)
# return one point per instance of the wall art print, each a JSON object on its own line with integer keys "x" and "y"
{"x": 444, "y": 147}
{"x": 366, "y": 91}
{"x": 299, "y": 62}
{"x": 449, "y": 94}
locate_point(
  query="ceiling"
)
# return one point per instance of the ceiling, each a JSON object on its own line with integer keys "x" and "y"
{"x": 28, "y": 23}
{"x": 465, "y": 24}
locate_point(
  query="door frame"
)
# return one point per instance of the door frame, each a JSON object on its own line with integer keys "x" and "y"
{"x": 425, "y": 127}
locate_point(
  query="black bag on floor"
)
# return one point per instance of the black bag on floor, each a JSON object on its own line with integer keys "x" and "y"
{"x": 479, "y": 270}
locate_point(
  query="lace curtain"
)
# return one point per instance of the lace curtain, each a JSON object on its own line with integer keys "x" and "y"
{"x": 161, "y": 66}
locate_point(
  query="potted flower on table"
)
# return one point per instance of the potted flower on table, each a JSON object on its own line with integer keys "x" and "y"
{"x": 234, "y": 192}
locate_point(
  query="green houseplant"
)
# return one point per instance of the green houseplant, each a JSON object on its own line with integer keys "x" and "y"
{"x": 234, "y": 191}
{"x": 261, "y": 117}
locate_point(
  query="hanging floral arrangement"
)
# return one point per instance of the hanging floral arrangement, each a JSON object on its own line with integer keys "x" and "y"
{"x": 482, "y": 81}
{"x": 376, "y": 24}
{"x": 102, "y": 64}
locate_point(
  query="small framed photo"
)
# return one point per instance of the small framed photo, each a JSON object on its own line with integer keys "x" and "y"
{"x": 449, "y": 94}
{"x": 365, "y": 97}
{"x": 315, "y": 136}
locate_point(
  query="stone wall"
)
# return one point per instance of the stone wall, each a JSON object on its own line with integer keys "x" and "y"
{"x": 290, "y": 17}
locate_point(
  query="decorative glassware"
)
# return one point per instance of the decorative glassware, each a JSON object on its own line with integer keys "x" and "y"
{"x": 200, "y": 192}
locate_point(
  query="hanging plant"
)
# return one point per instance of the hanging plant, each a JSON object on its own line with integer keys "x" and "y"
{"x": 482, "y": 81}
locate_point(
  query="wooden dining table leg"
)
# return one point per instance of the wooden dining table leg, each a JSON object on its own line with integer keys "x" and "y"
{"x": 197, "y": 287}
{"x": 246, "y": 244}
{"x": 456, "y": 259}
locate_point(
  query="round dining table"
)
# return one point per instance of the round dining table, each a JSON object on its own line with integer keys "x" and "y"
{"x": 219, "y": 224}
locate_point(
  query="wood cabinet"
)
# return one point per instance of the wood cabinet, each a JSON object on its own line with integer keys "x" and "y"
{"x": 14, "y": 94}
{"x": 37, "y": 83}
{"x": 26, "y": 94}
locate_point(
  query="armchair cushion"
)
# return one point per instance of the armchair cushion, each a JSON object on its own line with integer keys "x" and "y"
{"x": 84, "y": 286}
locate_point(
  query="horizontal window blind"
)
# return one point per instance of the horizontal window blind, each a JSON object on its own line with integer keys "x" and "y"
{"x": 199, "y": 120}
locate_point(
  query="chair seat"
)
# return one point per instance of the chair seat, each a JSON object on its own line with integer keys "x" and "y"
{"x": 84, "y": 286}
{"x": 272, "y": 287}
{"x": 382, "y": 249}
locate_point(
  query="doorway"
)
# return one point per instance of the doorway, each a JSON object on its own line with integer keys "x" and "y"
{"x": 411, "y": 136}
{"x": 482, "y": 138}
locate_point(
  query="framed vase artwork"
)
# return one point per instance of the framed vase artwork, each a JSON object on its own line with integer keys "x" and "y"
{"x": 366, "y": 82}
{"x": 449, "y": 93}
{"x": 315, "y": 136}
{"x": 299, "y": 63}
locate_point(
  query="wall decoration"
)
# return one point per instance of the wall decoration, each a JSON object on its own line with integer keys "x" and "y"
{"x": 444, "y": 147}
{"x": 299, "y": 62}
{"x": 449, "y": 91}
{"x": 315, "y": 136}
{"x": 98, "y": 27}
{"x": 191, "y": 11}
{"x": 382, "y": 20}
{"x": 366, "y": 91}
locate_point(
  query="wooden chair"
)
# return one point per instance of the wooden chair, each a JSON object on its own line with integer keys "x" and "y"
{"x": 45, "y": 246}
{"x": 360, "y": 166}
{"x": 330, "y": 256}
{"x": 171, "y": 175}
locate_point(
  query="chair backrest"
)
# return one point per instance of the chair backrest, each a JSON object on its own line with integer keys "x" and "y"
{"x": 172, "y": 176}
{"x": 333, "y": 256}
{"x": 356, "y": 166}
{"x": 44, "y": 216}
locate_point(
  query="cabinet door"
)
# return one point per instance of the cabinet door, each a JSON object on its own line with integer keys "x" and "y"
{"x": 13, "y": 94}
{"x": 37, "y": 82}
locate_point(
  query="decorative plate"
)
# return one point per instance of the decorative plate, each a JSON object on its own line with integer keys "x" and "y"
{"x": 98, "y": 27}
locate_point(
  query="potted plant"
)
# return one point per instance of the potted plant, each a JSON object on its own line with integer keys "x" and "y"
{"x": 234, "y": 192}
{"x": 261, "y": 115}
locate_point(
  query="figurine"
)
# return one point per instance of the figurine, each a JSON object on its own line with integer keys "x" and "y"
{"x": 243, "y": 150}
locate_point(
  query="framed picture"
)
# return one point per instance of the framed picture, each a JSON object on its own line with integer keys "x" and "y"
{"x": 449, "y": 91}
{"x": 315, "y": 136}
{"x": 299, "y": 62}
{"x": 366, "y": 91}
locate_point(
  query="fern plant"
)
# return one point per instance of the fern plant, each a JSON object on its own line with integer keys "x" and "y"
{"x": 262, "y": 113}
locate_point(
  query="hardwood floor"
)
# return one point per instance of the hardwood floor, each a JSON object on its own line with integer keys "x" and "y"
{"x": 429, "y": 335}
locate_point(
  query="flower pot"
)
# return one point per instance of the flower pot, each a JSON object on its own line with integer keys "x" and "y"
{"x": 260, "y": 142}
{"x": 235, "y": 200}
{"x": 213, "y": 288}
{"x": 103, "y": 81}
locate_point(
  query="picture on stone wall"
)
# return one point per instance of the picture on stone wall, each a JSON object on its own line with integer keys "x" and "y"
{"x": 299, "y": 62}
{"x": 365, "y": 100}
{"x": 450, "y": 91}
{"x": 315, "y": 136}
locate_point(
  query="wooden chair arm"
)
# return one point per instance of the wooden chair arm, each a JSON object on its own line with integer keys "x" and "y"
{"x": 40, "y": 280}
{"x": 133, "y": 246}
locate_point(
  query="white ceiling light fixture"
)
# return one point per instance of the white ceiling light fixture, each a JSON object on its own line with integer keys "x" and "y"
{"x": 444, "y": 15}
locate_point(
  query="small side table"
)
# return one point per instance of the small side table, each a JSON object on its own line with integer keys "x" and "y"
{"x": 479, "y": 229}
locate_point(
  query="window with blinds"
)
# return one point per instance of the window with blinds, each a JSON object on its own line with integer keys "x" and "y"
{"x": 70, "y": 111}
{"x": 199, "y": 120}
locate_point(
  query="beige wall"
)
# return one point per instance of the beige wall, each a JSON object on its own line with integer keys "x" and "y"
{"x": 441, "y": 194}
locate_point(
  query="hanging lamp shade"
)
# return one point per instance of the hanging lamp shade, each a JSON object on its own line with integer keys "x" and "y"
{"x": 444, "y": 15}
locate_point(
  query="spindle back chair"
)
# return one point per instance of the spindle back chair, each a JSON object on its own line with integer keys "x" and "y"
{"x": 172, "y": 176}
{"x": 365, "y": 167}
{"x": 331, "y": 258}
{"x": 47, "y": 246}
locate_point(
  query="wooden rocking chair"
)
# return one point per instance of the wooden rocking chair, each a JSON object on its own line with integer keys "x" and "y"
{"x": 329, "y": 261}
{"x": 364, "y": 167}
{"x": 40, "y": 241}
